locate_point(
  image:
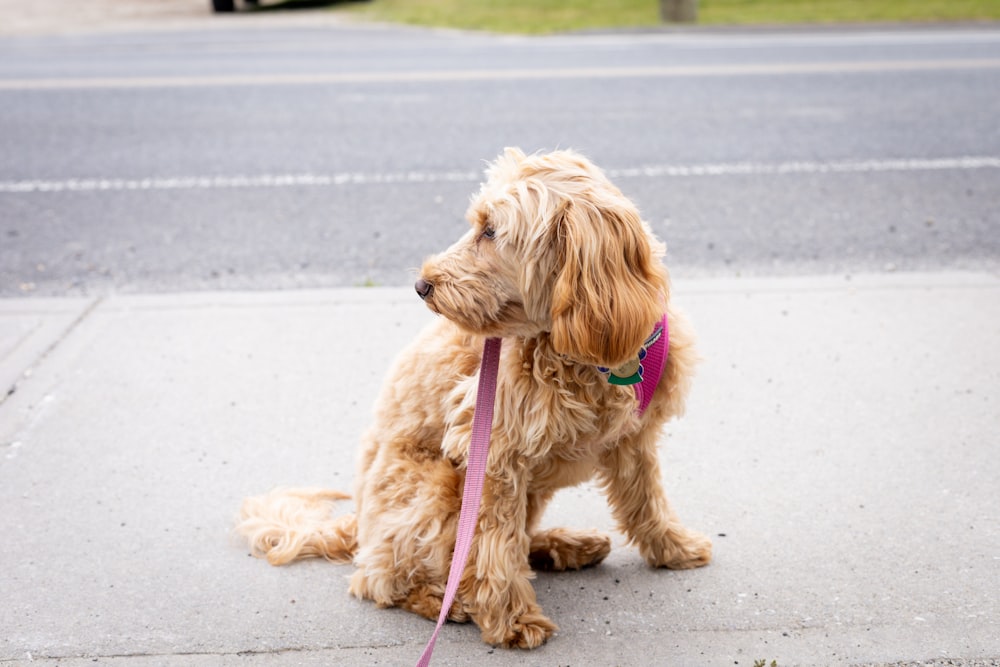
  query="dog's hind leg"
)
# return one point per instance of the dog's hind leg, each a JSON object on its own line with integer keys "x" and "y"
{"x": 557, "y": 549}
{"x": 406, "y": 534}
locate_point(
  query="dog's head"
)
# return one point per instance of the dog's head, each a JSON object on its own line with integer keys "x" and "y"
{"x": 555, "y": 249}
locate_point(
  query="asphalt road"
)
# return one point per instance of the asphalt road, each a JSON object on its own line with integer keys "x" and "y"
{"x": 337, "y": 156}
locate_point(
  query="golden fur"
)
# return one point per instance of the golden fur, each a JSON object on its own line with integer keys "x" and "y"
{"x": 557, "y": 262}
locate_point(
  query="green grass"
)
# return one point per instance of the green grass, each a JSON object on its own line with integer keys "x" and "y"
{"x": 845, "y": 11}
{"x": 514, "y": 16}
{"x": 548, "y": 16}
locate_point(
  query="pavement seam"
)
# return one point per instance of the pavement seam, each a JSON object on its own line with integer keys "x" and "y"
{"x": 196, "y": 654}
{"x": 47, "y": 352}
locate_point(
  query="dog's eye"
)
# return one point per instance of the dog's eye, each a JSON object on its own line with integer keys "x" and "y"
{"x": 489, "y": 233}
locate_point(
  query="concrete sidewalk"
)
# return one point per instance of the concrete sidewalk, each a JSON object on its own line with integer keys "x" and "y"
{"x": 841, "y": 447}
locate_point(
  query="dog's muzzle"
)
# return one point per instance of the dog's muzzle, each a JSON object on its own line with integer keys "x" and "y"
{"x": 423, "y": 288}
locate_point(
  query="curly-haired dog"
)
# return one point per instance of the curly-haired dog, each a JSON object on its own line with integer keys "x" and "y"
{"x": 559, "y": 264}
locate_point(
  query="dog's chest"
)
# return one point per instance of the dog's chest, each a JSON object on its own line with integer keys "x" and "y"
{"x": 569, "y": 412}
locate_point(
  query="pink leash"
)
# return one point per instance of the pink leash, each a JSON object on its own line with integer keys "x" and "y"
{"x": 479, "y": 448}
{"x": 475, "y": 472}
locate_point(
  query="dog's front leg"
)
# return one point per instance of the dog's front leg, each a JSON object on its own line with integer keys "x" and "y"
{"x": 631, "y": 476}
{"x": 496, "y": 585}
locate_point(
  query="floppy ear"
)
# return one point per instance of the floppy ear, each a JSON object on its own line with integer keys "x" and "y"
{"x": 608, "y": 293}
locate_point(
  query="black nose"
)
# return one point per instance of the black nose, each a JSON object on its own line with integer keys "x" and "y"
{"x": 423, "y": 288}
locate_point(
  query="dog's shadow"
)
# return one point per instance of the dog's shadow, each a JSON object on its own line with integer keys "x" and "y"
{"x": 604, "y": 600}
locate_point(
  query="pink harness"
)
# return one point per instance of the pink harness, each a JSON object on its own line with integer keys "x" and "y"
{"x": 644, "y": 375}
{"x": 652, "y": 361}
{"x": 654, "y": 364}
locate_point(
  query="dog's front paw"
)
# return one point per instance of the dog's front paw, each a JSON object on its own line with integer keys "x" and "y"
{"x": 529, "y": 630}
{"x": 679, "y": 550}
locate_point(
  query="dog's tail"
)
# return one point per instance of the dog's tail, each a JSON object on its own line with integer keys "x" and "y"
{"x": 290, "y": 524}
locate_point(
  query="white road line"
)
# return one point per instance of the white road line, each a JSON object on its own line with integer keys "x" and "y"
{"x": 668, "y": 71}
{"x": 718, "y": 169}
{"x": 811, "y": 167}
{"x": 226, "y": 182}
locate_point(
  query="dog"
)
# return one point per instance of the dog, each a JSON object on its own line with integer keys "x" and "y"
{"x": 558, "y": 263}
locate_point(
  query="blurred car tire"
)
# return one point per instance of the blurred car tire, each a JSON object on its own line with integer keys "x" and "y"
{"x": 224, "y": 5}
